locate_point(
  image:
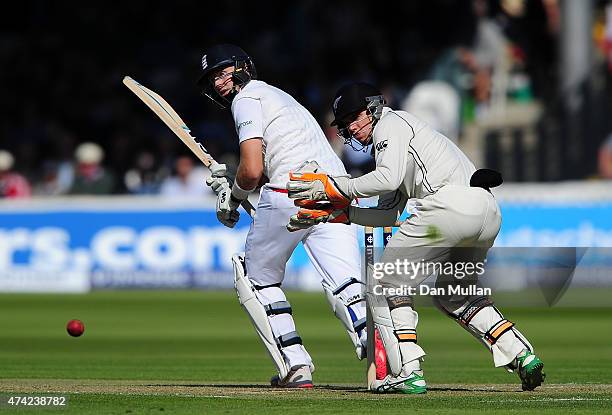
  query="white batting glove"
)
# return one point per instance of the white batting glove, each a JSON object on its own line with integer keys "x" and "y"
{"x": 218, "y": 177}
{"x": 227, "y": 212}
{"x": 309, "y": 166}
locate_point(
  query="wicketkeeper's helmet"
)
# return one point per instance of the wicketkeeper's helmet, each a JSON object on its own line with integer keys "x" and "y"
{"x": 349, "y": 101}
{"x": 220, "y": 57}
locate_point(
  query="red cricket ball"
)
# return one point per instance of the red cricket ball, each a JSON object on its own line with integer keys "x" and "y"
{"x": 75, "y": 328}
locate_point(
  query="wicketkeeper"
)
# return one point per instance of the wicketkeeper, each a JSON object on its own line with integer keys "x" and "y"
{"x": 456, "y": 217}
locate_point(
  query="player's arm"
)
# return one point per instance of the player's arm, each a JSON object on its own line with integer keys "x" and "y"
{"x": 250, "y": 168}
{"x": 389, "y": 209}
{"x": 392, "y": 139}
{"x": 248, "y": 117}
{"x": 392, "y": 142}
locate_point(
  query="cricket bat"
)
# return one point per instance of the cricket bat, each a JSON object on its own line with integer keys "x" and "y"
{"x": 170, "y": 117}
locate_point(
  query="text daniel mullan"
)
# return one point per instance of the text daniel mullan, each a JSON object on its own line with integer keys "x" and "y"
{"x": 434, "y": 291}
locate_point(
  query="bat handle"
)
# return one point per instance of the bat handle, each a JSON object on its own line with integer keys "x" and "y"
{"x": 248, "y": 206}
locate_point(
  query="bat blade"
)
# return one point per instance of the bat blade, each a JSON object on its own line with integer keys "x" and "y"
{"x": 170, "y": 117}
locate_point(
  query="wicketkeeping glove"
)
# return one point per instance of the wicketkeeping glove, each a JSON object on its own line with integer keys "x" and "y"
{"x": 319, "y": 187}
{"x": 322, "y": 213}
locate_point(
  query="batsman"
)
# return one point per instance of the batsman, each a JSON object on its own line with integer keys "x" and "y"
{"x": 277, "y": 135}
{"x": 456, "y": 217}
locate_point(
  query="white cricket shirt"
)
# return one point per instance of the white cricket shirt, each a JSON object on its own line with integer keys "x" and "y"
{"x": 290, "y": 133}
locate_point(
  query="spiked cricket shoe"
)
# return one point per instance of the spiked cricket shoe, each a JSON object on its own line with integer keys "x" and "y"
{"x": 298, "y": 377}
{"x": 413, "y": 384}
{"x": 530, "y": 370}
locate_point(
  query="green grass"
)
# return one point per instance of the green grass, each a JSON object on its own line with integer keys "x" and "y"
{"x": 195, "y": 352}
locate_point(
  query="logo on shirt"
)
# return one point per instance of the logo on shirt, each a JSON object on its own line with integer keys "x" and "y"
{"x": 382, "y": 145}
{"x": 204, "y": 63}
{"x": 244, "y": 123}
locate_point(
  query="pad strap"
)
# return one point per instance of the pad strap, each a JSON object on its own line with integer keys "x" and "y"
{"x": 472, "y": 309}
{"x": 406, "y": 335}
{"x": 397, "y": 301}
{"x": 279, "y": 307}
{"x": 289, "y": 339}
{"x": 263, "y": 287}
{"x": 345, "y": 285}
{"x": 359, "y": 324}
{"x": 497, "y": 331}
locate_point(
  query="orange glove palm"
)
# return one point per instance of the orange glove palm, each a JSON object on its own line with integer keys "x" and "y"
{"x": 319, "y": 187}
{"x": 323, "y": 213}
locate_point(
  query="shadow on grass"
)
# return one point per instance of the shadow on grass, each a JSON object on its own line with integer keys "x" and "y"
{"x": 337, "y": 388}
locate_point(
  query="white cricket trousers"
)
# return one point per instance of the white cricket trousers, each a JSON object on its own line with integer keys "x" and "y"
{"x": 332, "y": 248}
{"x": 456, "y": 224}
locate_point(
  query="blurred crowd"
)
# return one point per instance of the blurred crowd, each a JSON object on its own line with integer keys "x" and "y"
{"x": 70, "y": 127}
{"x": 87, "y": 175}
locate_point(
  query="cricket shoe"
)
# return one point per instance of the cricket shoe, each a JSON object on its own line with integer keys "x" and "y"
{"x": 530, "y": 370}
{"x": 298, "y": 377}
{"x": 413, "y": 384}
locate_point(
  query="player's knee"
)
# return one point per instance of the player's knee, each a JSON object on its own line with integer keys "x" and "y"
{"x": 348, "y": 304}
